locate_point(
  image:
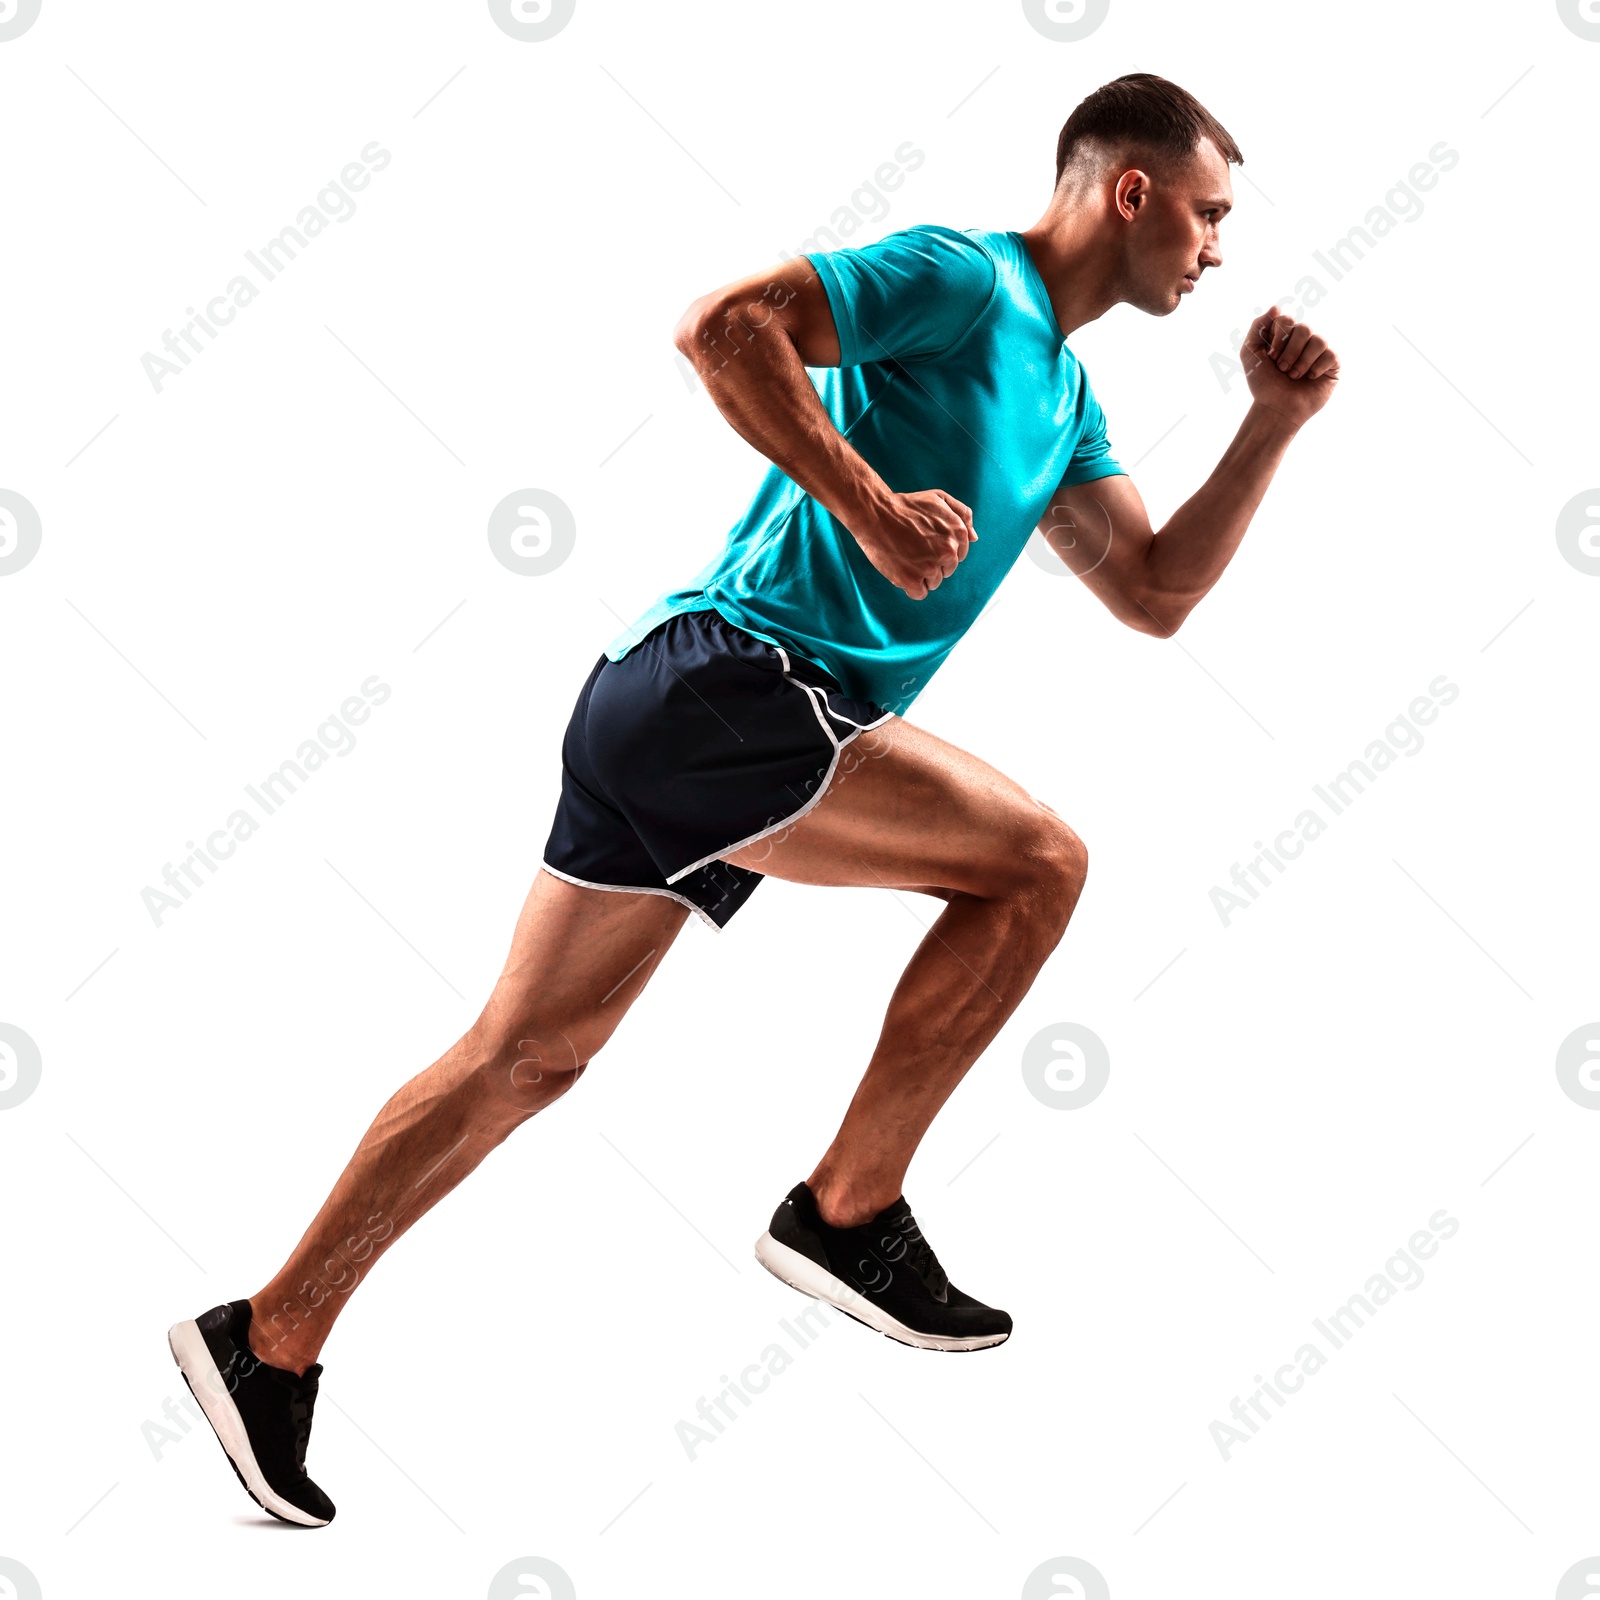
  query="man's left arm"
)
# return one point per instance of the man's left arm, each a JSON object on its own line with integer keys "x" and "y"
{"x": 1152, "y": 580}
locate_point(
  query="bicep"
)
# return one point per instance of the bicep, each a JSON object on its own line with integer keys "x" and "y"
{"x": 789, "y": 299}
{"x": 1102, "y": 532}
{"x": 912, "y": 294}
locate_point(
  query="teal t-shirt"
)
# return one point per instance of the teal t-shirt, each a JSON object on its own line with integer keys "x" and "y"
{"x": 953, "y": 374}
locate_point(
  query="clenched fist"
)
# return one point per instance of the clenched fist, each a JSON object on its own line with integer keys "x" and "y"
{"x": 1289, "y": 368}
{"x": 917, "y": 540}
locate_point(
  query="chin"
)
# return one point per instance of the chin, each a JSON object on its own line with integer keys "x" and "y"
{"x": 1159, "y": 305}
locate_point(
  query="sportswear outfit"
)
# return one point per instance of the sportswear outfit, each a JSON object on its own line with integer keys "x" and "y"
{"x": 719, "y": 716}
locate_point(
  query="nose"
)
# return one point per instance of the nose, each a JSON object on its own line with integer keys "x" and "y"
{"x": 1211, "y": 255}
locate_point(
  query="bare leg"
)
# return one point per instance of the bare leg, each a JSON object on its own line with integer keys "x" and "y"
{"x": 907, "y": 811}
{"x": 579, "y": 958}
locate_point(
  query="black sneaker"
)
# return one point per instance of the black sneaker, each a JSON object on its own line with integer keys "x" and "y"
{"x": 882, "y": 1273}
{"x": 261, "y": 1414}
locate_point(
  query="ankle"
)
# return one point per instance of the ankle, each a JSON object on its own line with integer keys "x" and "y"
{"x": 281, "y": 1353}
{"x": 845, "y": 1202}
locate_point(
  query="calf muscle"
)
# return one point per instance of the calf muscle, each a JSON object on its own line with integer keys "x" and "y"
{"x": 912, "y": 812}
{"x": 578, "y": 960}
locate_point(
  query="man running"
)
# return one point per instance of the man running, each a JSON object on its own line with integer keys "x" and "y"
{"x": 750, "y": 724}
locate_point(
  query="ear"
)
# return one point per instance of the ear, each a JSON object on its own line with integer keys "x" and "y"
{"x": 1132, "y": 189}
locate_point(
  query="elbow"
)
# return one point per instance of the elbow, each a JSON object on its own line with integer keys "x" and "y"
{"x": 687, "y": 335}
{"x": 708, "y": 325}
{"x": 1157, "y": 614}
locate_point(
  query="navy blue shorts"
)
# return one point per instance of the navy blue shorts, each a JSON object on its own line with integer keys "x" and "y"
{"x": 701, "y": 740}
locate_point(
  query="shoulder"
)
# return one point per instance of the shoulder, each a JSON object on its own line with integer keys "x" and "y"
{"x": 928, "y": 247}
{"x": 913, "y": 294}
{"x": 961, "y": 250}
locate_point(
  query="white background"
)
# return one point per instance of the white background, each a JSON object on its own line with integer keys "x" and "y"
{"x": 1290, "y": 1099}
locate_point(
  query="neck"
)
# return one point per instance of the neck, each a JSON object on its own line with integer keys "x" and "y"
{"x": 1081, "y": 267}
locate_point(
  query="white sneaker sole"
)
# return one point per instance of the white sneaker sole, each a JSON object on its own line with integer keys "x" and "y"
{"x": 802, "y": 1273}
{"x": 206, "y": 1384}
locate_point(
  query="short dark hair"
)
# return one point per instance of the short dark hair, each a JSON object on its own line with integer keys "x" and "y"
{"x": 1146, "y": 112}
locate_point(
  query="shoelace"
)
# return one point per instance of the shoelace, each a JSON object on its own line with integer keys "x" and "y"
{"x": 919, "y": 1253}
{"x": 927, "y": 1264}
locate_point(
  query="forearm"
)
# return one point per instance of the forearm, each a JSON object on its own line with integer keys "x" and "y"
{"x": 759, "y": 383}
{"x": 1192, "y": 550}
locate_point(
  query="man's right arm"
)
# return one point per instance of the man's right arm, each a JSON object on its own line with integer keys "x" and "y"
{"x": 1152, "y": 580}
{"x": 751, "y": 343}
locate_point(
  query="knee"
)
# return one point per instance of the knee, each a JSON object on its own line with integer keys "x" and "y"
{"x": 1057, "y": 866}
{"x": 523, "y": 1063}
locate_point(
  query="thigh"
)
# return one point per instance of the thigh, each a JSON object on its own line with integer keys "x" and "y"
{"x": 907, "y": 810}
{"x": 579, "y": 958}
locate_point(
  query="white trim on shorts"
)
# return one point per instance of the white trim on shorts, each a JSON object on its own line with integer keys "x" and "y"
{"x": 818, "y": 702}
{"x": 838, "y": 716}
{"x": 627, "y": 888}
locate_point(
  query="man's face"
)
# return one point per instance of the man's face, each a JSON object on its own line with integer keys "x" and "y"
{"x": 1172, "y": 234}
